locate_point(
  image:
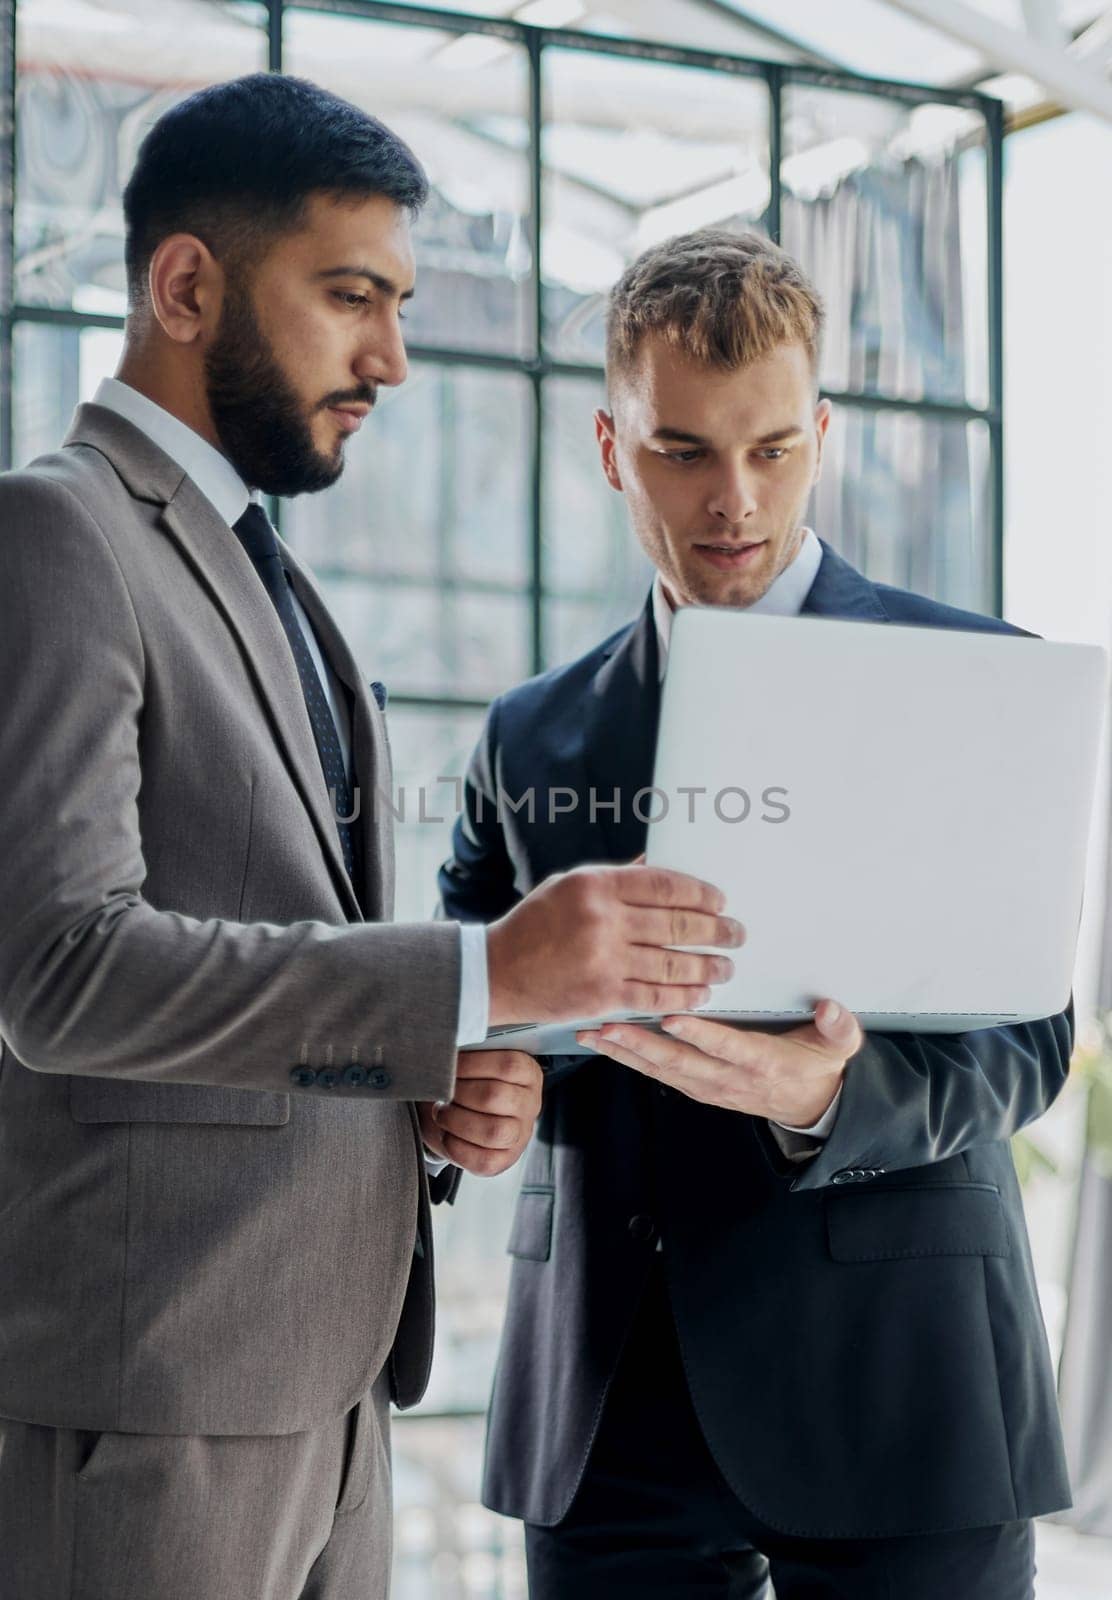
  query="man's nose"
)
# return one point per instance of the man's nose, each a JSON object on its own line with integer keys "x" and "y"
{"x": 383, "y": 359}
{"x": 733, "y": 498}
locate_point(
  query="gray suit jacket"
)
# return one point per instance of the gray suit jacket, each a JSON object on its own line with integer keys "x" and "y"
{"x": 191, "y": 1241}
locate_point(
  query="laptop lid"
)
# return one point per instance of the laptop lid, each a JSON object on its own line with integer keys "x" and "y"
{"x": 898, "y": 815}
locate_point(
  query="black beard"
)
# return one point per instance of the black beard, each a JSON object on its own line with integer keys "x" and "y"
{"x": 261, "y": 424}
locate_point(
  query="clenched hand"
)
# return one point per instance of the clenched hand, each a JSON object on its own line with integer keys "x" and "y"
{"x": 489, "y": 1119}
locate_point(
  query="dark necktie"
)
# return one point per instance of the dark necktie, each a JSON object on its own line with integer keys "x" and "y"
{"x": 259, "y": 539}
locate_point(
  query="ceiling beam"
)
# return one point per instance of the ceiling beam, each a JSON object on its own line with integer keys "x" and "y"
{"x": 1094, "y": 43}
{"x": 1074, "y": 84}
{"x": 711, "y": 25}
{"x": 1044, "y": 24}
{"x": 787, "y": 42}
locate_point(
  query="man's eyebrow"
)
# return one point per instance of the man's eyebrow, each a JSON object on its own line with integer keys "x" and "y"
{"x": 385, "y": 285}
{"x": 678, "y": 436}
{"x": 781, "y": 434}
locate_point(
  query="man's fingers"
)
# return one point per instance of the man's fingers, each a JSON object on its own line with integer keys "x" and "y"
{"x": 431, "y": 1135}
{"x": 647, "y": 925}
{"x": 660, "y": 886}
{"x": 500, "y": 1066}
{"x": 477, "y": 1128}
{"x": 653, "y": 999}
{"x": 475, "y": 1158}
{"x": 496, "y": 1098}
{"x": 647, "y": 1053}
{"x": 834, "y": 1034}
{"x": 722, "y": 1040}
{"x": 647, "y": 964}
{"x": 839, "y": 1027}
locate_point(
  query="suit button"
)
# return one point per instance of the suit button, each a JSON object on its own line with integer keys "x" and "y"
{"x": 643, "y": 1229}
{"x": 379, "y": 1079}
{"x": 327, "y": 1078}
{"x": 303, "y": 1076}
{"x": 355, "y": 1075}
{"x": 843, "y": 1177}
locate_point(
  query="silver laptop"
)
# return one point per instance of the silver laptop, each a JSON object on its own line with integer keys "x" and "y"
{"x": 898, "y": 815}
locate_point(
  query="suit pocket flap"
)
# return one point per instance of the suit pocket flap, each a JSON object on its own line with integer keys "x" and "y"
{"x": 897, "y": 1224}
{"x": 129, "y": 1100}
{"x": 531, "y": 1235}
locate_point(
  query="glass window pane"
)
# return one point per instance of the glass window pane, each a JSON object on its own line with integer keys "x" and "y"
{"x": 872, "y": 36}
{"x": 54, "y": 370}
{"x": 427, "y": 640}
{"x": 884, "y": 205}
{"x": 472, "y": 1272}
{"x": 635, "y": 151}
{"x": 435, "y": 485}
{"x": 596, "y": 575}
{"x": 91, "y": 80}
{"x": 431, "y": 747}
{"x": 906, "y": 498}
{"x": 447, "y": 1546}
{"x": 461, "y": 102}
{"x": 423, "y": 545}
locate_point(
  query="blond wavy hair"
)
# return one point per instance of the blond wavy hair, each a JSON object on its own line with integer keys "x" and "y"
{"x": 725, "y": 299}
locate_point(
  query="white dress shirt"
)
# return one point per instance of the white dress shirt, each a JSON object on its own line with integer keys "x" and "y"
{"x": 223, "y": 487}
{"x": 783, "y": 598}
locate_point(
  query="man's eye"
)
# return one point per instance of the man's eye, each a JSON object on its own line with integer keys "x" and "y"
{"x": 350, "y": 299}
{"x": 684, "y": 455}
{"x": 774, "y": 453}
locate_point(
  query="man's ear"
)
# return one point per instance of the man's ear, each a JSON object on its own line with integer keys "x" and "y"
{"x": 822, "y": 422}
{"x": 185, "y": 284}
{"x": 604, "y": 433}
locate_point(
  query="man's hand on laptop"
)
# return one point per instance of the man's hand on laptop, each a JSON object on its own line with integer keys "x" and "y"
{"x": 489, "y": 1119}
{"x": 790, "y": 1077}
{"x": 595, "y": 940}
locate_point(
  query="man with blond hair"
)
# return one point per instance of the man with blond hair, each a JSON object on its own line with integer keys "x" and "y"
{"x": 772, "y": 1312}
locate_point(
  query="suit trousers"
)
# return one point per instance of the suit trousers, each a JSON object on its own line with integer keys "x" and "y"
{"x": 132, "y": 1516}
{"x": 653, "y": 1517}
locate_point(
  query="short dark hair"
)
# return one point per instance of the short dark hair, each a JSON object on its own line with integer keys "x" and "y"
{"x": 726, "y": 299}
{"x": 236, "y": 163}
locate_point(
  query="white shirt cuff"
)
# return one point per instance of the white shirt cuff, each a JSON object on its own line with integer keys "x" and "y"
{"x": 823, "y": 1127}
{"x": 798, "y": 1144}
{"x": 474, "y": 994}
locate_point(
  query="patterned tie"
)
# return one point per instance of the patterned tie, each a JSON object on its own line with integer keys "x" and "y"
{"x": 259, "y": 539}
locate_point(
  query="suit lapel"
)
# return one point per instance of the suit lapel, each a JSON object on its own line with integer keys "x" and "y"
{"x": 620, "y": 737}
{"x": 839, "y": 590}
{"x": 370, "y": 752}
{"x": 224, "y": 570}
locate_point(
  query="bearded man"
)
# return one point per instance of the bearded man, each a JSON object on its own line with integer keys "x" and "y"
{"x": 219, "y": 1056}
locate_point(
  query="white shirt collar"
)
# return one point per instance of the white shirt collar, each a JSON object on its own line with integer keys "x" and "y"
{"x": 784, "y": 596}
{"x": 212, "y": 472}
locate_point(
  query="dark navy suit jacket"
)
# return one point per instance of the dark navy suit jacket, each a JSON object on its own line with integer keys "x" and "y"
{"x": 861, "y": 1333}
